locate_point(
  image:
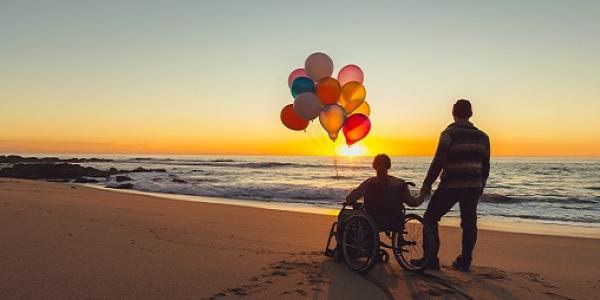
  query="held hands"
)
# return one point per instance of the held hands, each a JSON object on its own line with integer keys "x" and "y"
{"x": 423, "y": 193}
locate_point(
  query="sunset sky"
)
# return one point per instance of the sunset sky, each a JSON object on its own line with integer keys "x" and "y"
{"x": 210, "y": 77}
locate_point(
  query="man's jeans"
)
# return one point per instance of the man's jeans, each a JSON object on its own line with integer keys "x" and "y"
{"x": 441, "y": 202}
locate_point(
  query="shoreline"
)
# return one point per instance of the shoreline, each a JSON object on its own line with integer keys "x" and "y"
{"x": 531, "y": 208}
{"x": 484, "y": 222}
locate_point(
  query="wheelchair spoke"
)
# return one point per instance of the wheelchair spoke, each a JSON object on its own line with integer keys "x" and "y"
{"x": 359, "y": 246}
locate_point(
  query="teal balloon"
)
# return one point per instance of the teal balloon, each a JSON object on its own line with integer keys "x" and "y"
{"x": 302, "y": 85}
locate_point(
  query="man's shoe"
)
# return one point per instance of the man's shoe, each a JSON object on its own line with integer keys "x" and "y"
{"x": 432, "y": 264}
{"x": 462, "y": 264}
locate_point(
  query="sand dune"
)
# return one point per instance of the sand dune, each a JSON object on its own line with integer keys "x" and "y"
{"x": 67, "y": 241}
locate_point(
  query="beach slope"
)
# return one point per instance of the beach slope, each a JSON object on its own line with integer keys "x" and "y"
{"x": 69, "y": 241}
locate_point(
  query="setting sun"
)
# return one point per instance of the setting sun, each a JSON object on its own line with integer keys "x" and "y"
{"x": 351, "y": 151}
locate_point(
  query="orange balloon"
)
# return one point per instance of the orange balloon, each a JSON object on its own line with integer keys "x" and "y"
{"x": 291, "y": 119}
{"x": 352, "y": 96}
{"x": 364, "y": 109}
{"x": 328, "y": 90}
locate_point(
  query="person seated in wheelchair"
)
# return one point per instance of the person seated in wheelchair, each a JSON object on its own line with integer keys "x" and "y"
{"x": 384, "y": 195}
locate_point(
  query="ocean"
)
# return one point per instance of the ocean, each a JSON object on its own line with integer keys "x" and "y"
{"x": 562, "y": 191}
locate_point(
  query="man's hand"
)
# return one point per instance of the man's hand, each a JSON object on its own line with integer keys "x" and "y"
{"x": 425, "y": 191}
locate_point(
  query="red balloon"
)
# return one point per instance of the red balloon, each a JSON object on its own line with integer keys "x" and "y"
{"x": 291, "y": 119}
{"x": 300, "y": 72}
{"x": 356, "y": 128}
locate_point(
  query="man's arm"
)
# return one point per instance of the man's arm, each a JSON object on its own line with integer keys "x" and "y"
{"x": 437, "y": 164}
{"x": 485, "y": 164}
{"x": 357, "y": 193}
{"x": 410, "y": 199}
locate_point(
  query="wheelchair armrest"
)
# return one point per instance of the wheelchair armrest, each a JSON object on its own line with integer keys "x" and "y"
{"x": 357, "y": 205}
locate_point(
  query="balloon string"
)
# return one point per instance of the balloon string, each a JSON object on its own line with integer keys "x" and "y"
{"x": 315, "y": 141}
{"x": 319, "y": 137}
{"x": 323, "y": 138}
{"x": 337, "y": 173}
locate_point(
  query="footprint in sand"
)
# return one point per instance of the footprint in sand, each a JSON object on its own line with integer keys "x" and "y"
{"x": 309, "y": 270}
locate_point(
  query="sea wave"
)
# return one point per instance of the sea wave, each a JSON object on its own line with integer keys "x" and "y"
{"x": 323, "y": 197}
{"x": 564, "y": 218}
{"x": 502, "y": 199}
{"x": 292, "y": 193}
{"x": 233, "y": 163}
{"x": 515, "y": 190}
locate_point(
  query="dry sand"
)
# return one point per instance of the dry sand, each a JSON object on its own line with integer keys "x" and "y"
{"x": 66, "y": 241}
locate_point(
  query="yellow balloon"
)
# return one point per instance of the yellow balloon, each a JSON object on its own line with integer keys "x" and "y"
{"x": 364, "y": 109}
{"x": 332, "y": 119}
{"x": 352, "y": 96}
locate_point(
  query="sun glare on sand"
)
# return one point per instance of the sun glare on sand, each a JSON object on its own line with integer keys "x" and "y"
{"x": 354, "y": 150}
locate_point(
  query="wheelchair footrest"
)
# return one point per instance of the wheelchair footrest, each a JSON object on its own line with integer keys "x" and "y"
{"x": 329, "y": 252}
{"x": 332, "y": 232}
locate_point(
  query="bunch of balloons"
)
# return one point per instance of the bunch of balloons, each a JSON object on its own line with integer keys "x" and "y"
{"x": 339, "y": 103}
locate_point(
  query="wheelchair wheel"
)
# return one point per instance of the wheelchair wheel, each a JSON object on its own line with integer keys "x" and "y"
{"x": 413, "y": 247}
{"x": 360, "y": 243}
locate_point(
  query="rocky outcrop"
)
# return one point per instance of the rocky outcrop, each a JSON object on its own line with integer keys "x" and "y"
{"x": 121, "y": 178}
{"x": 85, "y": 180}
{"x": 51, "y": 171}
{"x": 65, "y": 172}
{"x": 143, "y": 170}
{"x": 14, "y": 159}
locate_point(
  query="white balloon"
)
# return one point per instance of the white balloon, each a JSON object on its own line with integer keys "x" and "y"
{"x": 307, "y": 105}
{"x": 318, "y": 66}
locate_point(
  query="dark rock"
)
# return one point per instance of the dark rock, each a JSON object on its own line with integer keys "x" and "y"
{"x": 57, "y": 180}
{"x": 51, "y": 171}
{"x": 124, "y": 186}
{"x": 13, "y": 159}
{"x": 177, "y": 180}
{"x": 121, "y": 178}
{"x": 53, "y": 168}
{"x": 142, "y": 170}
{"x": 85, "y": 180}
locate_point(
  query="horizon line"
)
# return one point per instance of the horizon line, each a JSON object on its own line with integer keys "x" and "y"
{"x": 37, "y": 154}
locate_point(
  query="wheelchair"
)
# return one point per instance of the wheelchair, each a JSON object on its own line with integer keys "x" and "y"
{"x": 359, "y": 245}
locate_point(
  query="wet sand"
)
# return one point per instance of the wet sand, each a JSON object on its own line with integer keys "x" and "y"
{"x": 69, "y": 241}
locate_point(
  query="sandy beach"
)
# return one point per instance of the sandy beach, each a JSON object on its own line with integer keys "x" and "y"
{"x": 69, "y": 241}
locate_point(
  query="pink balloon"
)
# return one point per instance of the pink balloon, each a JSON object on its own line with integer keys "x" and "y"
{"x": 350, "y": 73}
{"x": 300, "y": 72}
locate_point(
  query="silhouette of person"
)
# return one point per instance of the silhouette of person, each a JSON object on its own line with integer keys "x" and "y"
{"x": 463, "y": 159}
{"x": 384, "y": 195}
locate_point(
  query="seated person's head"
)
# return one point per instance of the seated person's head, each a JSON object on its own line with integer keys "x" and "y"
{"x": 382, "y": 163}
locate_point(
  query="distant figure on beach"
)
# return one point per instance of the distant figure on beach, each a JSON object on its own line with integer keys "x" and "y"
{"x": 463, "y": 159}
{"x": 384, "y": 195}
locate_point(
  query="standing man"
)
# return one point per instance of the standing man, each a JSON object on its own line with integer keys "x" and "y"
{"x": 463, "y": 159}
